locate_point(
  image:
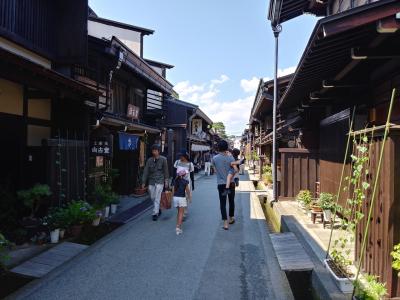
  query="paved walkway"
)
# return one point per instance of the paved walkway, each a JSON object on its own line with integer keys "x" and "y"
{"x": 146, "y": 260}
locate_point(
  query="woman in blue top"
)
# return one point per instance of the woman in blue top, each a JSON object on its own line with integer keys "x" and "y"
{"x": 181, "y": 192}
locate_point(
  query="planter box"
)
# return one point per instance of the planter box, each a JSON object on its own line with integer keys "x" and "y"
{"x": 345, "y": 285}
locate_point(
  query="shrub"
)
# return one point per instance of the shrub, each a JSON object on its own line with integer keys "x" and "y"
{"x": 370, "y": 288}
{"x": 79, "y": 213}
{"x": 326, "y": 201}
{"x": 34, "y": 197}
{"x": 305, "y": 197}
{"x": 396, "y": 258}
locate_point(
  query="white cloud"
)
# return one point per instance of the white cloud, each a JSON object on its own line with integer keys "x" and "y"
{"x": 234, "y": 114}
{"x": 250, "y": 85}
{"x": 286, "y": 71}
{"x": 184, "y": 88}
{"x": 223, "y": 78}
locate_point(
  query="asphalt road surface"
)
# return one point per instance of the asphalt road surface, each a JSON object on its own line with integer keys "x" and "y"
{"x": 147, "y": 260}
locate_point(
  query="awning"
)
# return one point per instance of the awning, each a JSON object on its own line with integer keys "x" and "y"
{"x": 198, "y": 148}
{"x": 117, "y": 121}
{"x": 333, "y": 53}
{"x": 20, "y": 69}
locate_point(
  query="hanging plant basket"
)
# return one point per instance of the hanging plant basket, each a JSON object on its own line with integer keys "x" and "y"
{"x": 344, "y": 283}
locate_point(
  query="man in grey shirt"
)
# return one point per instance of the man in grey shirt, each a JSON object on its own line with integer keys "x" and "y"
{"x": 156, "y": 174}
{"x": 222, "y": 164}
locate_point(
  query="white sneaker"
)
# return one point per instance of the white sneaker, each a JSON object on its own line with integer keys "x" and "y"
{"x": 179, "y": 231}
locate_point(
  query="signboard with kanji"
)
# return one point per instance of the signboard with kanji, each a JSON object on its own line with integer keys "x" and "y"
{"x": 101, "y": 142}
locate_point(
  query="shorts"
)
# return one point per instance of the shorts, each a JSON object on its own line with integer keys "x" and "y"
{"x": 180, "y": 202}
{"x": 231, "y": 171}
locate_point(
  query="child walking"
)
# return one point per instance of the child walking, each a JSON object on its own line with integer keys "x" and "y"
{"x": 181, "y": 192}
{"x": 233, "y": 171}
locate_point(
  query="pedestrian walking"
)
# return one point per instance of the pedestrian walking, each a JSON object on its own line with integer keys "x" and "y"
{"x": 222, "y": 164}
{"x": 156, "y": 175}
{"x": 184, "y": 163}
{"x": 182, "y": 194}
{"x": 207, "y": 164}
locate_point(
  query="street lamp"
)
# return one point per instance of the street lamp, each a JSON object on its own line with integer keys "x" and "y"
{"x": 274, "y": 16}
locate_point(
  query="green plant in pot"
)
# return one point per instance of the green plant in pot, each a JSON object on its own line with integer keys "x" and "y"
{"x": 52, "y": 222}
{"x": 305, "y": 199}
{"x": 396, "y": 259}
{"x": 79, "y": 213}
{"x": 369, "y": 288}
{"x": 327, "y": 204}
{"x": 33, "y": 198}
{"x": 139, "y": 190}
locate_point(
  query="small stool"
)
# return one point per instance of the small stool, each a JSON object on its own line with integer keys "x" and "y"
{"x": 315, "y": 214}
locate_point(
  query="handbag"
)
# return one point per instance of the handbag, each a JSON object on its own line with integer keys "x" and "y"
{"x": 166, "y": 200}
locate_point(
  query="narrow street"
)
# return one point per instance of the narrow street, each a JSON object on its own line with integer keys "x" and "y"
{"x": 146, "y": 260}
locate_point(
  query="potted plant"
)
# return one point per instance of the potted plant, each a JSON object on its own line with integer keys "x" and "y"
{"x": 327, "y": 205}
{"x": 114, "y": 203}
{"x": 396, "y": 258}
{"x": 369, "y": 289}
{"x": 139, "y": 191}
{"x": 339, "y": 268}
{"x": 79, "y": 213}
{"x": 304, "y": 199}
{"x": 52, "y": 222}
{"x": 97, "y": 219}
{"x": 33, "y": 198}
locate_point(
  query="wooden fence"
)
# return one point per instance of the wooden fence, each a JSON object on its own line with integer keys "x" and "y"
{"x": 384, "y": 230}
{"x": 299, "y": 171}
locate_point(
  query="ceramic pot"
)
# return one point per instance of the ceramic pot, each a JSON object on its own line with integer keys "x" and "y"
{"x": 62, "y": 233}
{"x": 54, "y": 236}
{"x": 96, "y": 222}
{"x": 114, "y": 208}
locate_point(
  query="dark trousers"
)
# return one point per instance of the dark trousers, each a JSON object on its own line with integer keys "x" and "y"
{"x": 222, "y": 201}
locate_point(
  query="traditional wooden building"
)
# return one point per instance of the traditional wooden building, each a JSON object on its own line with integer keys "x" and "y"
{"x": 132, "y": 109}
{"x": 350, "y": 64}
{"x": 44, "y": 119}
{"x": 189, "y": 128}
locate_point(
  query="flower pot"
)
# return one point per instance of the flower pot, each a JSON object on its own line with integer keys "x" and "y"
{"x": 62, "y": 233}
{"x": 308, "y": 211}
{"x": 114, "y": 208}
{"x": 327, "y": 215}
{"x": 316, "y": 209}
{"x": 76, "y": 230}
{"x": 344, "y": 284}
{"x": 54, "y": 236}
{"x": 106, "y": 212}
{"x": 96, "y": 222}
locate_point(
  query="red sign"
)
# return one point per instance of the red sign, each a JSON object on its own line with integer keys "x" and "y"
{"x": 133, "y": 111}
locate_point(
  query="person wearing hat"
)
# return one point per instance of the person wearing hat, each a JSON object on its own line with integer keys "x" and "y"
{"x": 184, "y": 163}
{"x": 156, "y": 175}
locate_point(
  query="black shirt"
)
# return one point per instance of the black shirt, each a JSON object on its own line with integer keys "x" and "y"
{"x": 180, "y": 187}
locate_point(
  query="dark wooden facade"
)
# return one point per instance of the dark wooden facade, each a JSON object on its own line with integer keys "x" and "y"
{"x": 299, "y": 171}
{"x": 39, "y": 102}
{"x": 384, "y": 230}
{"x": 345, "y": 67}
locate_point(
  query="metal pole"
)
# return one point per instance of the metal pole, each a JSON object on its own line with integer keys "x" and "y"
{"x": 276, "y": 29}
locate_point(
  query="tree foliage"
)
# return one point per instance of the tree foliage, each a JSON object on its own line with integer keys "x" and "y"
{"x": 219, "y": 128}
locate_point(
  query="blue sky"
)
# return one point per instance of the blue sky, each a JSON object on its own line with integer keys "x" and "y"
{"x": 220, "y": 48}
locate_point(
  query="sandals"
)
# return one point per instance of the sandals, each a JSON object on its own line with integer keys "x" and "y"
{"x": 232, "y": 221}
{"x": 225, "y": 227}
